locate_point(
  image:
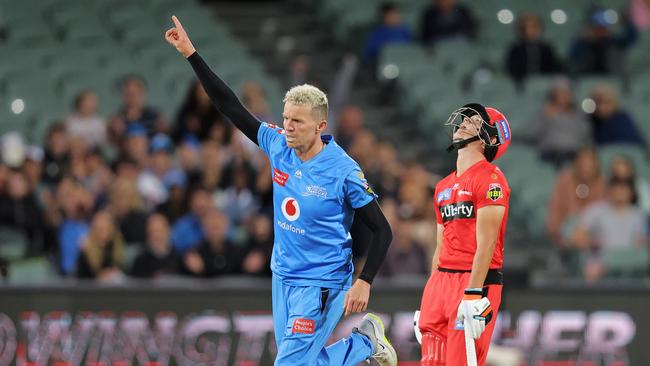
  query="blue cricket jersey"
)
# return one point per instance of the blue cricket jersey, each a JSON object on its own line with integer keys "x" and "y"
{"x": 313, "y": 203}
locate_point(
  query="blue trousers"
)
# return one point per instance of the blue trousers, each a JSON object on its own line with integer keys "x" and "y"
{"x": 304, "y": 318}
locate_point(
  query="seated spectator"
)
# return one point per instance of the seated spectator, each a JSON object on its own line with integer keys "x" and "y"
{"x": 216, "y": 255}
{"x": 405, "y": 257}
{"x": 187, "y": 232}
{"x": 19, "y": 209}
{"x": 530, "y": 54}
{"x": 197, "y": 115}
{"x": 159, "y": 258}
{"x": 349, "y": 124}
{"x": 252, "y": 96}
{"x": 98, "y": 174}
{"x": 622, "y": 168}
{"x": 176, "y": 204}
{"x": 599, "y": 50}
{"x": 639, "y": 14}
{"x": 447, "y": 20}
{"x": 259, "y": 247}
{"x": 161, "y": 165}
{"x": 237, "y": 198}
{"x": 135, "y": 110}
{"x": 56, "y": 162}
{"x": 84, "y": 122}
{"x": 363, "y": 147}
{"x": 189, "y": 158}
{"x": 102, "y": 251}
{"x": 611, "y": 223}
{"x": 575, "y": 187}
{"x": 385, "y": 170}
{"x": 213, "y": 157}
{"x": 612, "y": 124}
{"x": 77, "y": 205}
{"x": 559, "y": 130}
{"x": 128, "y": 209}
{"x": 135, "y": 145}
{"x": 389, "y": 30}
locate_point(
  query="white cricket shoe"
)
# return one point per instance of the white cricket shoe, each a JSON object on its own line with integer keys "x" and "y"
{"x": 372, "y": 327}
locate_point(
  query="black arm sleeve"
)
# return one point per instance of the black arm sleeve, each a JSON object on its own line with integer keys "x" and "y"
{"x": 224, "y": 99}
{"x": 380, "y": 233}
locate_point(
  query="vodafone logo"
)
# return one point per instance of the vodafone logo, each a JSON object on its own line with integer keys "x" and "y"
{"x": 290, "y": 209}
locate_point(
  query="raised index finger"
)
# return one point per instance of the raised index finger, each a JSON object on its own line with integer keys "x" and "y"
{"x": 177, "y": 22}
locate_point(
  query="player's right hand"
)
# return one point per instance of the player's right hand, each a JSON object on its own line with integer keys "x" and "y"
{"x": 178, "y": 38}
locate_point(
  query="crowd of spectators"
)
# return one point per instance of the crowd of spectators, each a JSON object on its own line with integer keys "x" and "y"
{"x": 589, "y": 205}
{"x": 141, "y": 194}
{"x": 137, "y": 195}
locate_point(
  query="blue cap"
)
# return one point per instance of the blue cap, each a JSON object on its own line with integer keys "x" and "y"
{"x": 174, "y": 178}
{"x": 135, "y": 129}
{"x": 160, "y": 142}
{"x": 191, "y": 141}
{"x": 599, "y": 18}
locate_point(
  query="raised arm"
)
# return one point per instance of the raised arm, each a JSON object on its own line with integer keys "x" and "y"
{"x": 223, "y": 98}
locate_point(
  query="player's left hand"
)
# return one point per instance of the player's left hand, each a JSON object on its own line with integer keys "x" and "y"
{"x": 477, "y": 309}
{"x": 356, "y": 300}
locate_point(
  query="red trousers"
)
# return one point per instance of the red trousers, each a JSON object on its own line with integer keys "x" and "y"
{"x": 442, "y": 344}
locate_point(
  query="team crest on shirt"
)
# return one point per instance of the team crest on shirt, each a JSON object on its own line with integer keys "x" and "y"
{"x": 312, "y": 190}
{"x": 444, "y": 195}
{"x": 494, "y": 191}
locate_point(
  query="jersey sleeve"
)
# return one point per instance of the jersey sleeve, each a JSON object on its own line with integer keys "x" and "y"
{"x": 492, "y": 189}
{"x": 358, "y": 192}
{"x": 269, "y": 135}
{"x": 436, "y": 206}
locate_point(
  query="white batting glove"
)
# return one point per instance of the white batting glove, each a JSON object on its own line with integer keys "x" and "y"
{"x": 416, "y": 326}
{"x": 477, "y": 309}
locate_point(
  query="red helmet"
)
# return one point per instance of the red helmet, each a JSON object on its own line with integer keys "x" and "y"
{"x": 493, "y": 125}
{"x": 500, "y": 130}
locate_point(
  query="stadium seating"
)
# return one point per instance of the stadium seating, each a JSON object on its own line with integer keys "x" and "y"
{"x": 58, "y": 48}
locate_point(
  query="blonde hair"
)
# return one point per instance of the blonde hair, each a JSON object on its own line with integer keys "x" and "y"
{"x": 308, "y": 95}
{"x": 93, "y": 248}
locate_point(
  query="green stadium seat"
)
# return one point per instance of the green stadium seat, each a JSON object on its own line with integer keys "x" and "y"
{"x": 131, "y": 252}
{"x": 31, "y": 271}
{"x": 626, "y": 261}
{"x": 13, "y": 244}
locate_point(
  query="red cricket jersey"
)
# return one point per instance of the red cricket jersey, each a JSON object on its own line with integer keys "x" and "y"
{"x": 457, "y": 199}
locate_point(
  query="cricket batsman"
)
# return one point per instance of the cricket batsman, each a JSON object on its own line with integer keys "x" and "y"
{"x": 464, "y": 290}
{"x": 318, "y": 190}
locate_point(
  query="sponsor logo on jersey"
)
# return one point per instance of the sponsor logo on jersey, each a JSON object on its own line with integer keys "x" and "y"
{"x": 494, "y": 191}
{"x": 280, "y": 177}
{"x": 368, "y": 189}
{"x": 275, "y": 127}
{"x": 317, "y": 191}
{"x": 444, "y": 195}
{"x": 298, "y": 173}
{"x": 290, "y": 209}
{"x": 304, "y": 326}
{"x": 458, "y": 210}
{"x": 463, "y": 192}
{"x": 455, "y": 187}
{"x": 288, "y": 227}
